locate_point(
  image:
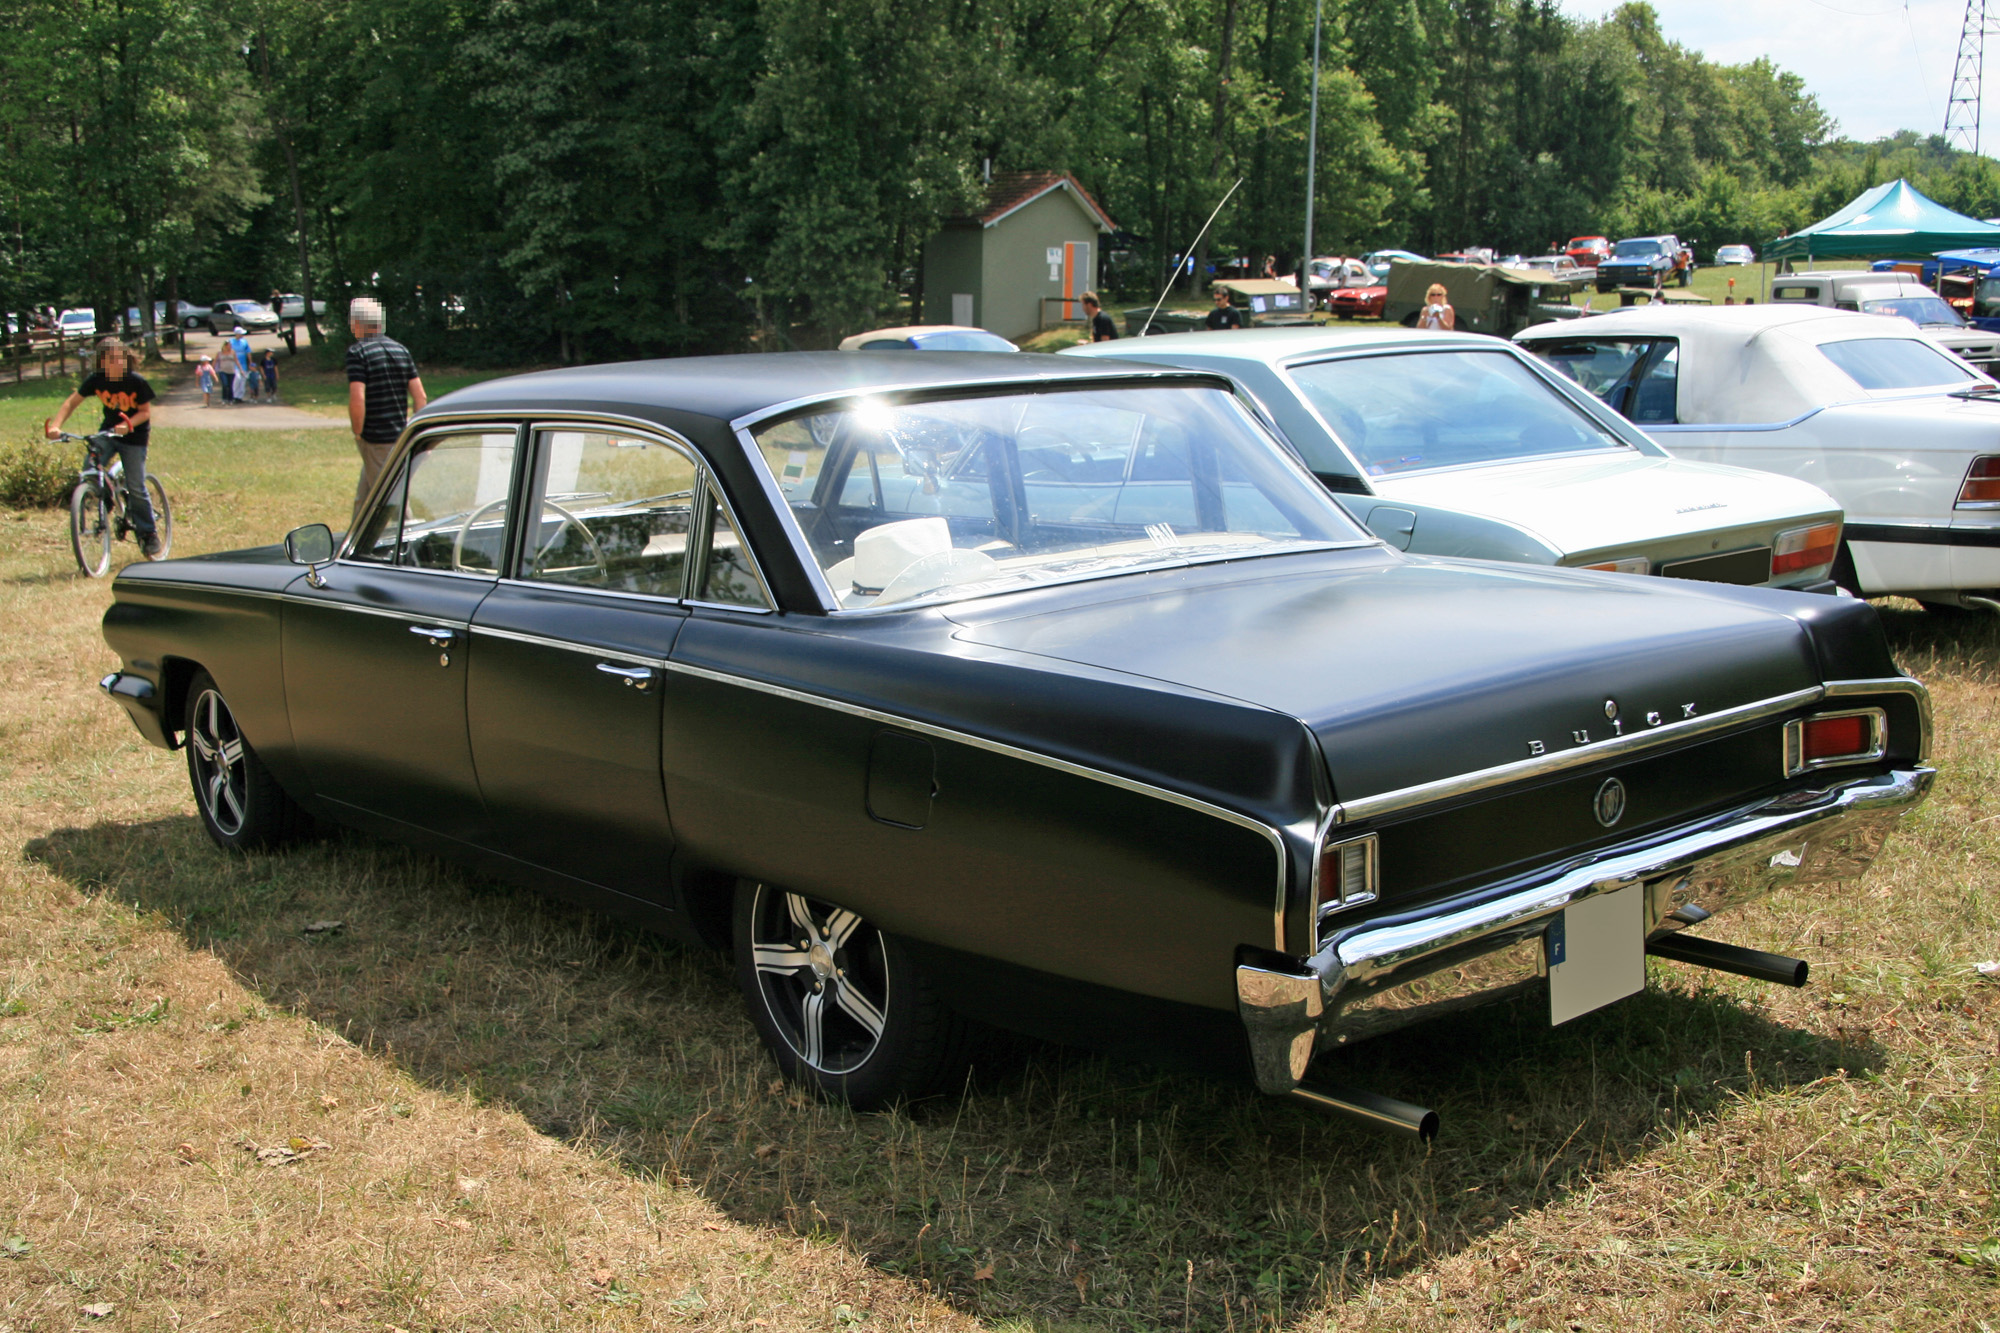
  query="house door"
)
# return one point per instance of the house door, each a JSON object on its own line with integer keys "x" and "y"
{"x": 1076, "y": 276}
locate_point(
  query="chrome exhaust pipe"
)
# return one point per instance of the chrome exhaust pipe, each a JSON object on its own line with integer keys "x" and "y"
{"x": 1773, "y": 967}
{"x": 1419, "y": 1122}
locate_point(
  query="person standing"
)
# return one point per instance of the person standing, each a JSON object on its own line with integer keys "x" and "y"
{"x": 268, "y": 366}
{"x": 225, "y": 370}
{"x": 1225, "y": 315}
{"x": 1102, "y": 330}
{"x": 239, "y": 345}
{"x": 204, "y": 375}
{"x": 1437, "y": 312}
{"x": 382, "y": 390}
{"x": 128, "y": 413}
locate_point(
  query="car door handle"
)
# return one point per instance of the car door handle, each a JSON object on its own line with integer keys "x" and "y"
{"x": 639, "y": 678}
{"x": 439, "y": 636}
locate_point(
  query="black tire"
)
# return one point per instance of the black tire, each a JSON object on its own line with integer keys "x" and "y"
{"x": 90, "y": 522}
{"x": 818, "y": 978}
{"x": 242, "y": 806}
{"x": 163, "y": 517}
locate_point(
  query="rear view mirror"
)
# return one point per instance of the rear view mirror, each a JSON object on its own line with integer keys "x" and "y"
{"x": 310, "y": 545}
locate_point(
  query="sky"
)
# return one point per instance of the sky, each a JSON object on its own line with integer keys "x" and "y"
{"x": 1877, "y": 66}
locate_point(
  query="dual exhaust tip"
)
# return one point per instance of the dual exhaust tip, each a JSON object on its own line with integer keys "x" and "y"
{"x": 1421, "y": 1123}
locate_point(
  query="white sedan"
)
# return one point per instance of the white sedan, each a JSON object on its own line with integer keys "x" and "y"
{"x": 1904, "y": 434}
{"x": 1459, "y": 445}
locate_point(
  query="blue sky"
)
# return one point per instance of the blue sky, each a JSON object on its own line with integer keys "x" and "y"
{"x": 1877, "y": 66}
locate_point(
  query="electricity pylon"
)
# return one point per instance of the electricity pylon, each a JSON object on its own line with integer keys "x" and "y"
{"x": 1961, "y": 114}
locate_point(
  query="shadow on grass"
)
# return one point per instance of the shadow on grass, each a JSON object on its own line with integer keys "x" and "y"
{"x": 1092, "y": 1191}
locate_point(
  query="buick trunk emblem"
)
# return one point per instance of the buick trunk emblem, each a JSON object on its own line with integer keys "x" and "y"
{"x": 1610, "y": 802}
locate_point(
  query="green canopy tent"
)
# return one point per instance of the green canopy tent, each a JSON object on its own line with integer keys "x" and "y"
{"x": 1893, "y": 221}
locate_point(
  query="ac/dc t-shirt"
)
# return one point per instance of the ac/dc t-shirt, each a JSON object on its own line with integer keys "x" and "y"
{"x": 121, "y": 398}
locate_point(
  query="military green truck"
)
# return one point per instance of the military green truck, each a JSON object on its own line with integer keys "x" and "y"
{"x": 1486, "y": 297}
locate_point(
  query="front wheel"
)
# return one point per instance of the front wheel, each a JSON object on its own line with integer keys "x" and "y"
{"x": 242, "y": 806}
{"x": 842, "y": 1006}
{"x": 90, "y": 522}
{"x": 163, "y": 518}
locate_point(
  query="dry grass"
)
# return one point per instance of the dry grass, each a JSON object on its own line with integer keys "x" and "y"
{"x": 535, "y": 1118}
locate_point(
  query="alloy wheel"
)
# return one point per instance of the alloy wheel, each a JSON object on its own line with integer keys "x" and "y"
{"x": 823, "y": 974}
{"x": 220, "y": 779}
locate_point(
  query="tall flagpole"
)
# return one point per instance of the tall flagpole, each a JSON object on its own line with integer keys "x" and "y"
{"x": 1312, "y": 161}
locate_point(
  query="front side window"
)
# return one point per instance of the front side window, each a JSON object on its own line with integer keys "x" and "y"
{"x": 447, "y": 508}
{"x": 616, "y": 513}
{"x": 1413, "y": 411}
{"x": 1638, "y": 378}
{"x": 935, "y": 499}
{"x": 1894, "y": 363}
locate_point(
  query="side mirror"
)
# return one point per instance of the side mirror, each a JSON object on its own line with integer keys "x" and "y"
{"x": 311, "y": 546}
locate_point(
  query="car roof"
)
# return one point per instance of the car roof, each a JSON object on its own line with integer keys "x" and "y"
{"x": 728, "y": 388}
{"x": 1274, "y": 347}
{"x": 907, "y": 330}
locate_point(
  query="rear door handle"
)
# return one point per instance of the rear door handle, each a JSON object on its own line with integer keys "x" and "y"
{"x": 638, "y": 677}
{"x": 439, "y": 636}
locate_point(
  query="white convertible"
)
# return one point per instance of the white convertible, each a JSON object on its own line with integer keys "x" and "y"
{"x": 1904, "y": 434}
{"x": 1458, "y": 444}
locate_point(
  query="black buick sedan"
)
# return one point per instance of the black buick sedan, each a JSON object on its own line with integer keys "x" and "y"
{"x": 1048, "y": 693}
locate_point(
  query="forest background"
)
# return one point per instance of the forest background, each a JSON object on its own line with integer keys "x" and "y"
{"x": 533, "y": 181}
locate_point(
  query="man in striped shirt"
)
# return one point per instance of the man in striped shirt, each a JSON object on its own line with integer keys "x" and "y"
{"x": 382, "y": 391}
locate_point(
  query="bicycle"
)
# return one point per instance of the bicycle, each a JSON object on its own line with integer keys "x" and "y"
{"x": 97, "y": 505}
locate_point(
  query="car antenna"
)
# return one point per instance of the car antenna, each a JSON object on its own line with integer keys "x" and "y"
{"x": 1148, "y": 326}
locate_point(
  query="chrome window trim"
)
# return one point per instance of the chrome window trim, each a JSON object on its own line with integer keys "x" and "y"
{"x": 413, "y": 432}
{"x": 1271, "y": 832}
{"x": 717, "y": 500}
{"x": 542, "y": 641}
{"x": 534, "y": 427}
{"x": 1795, "y": 761}
{"x": 1844, "y": 689}
{"x": 1501, "y": 775}
{"x": 651, "y": 599}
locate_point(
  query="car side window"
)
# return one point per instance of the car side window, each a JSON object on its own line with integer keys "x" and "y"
{"x": 447, "y": 508}
{"x": 1638, "y": 378}
{"x": 728, "y": 575}
{"x": 616, "y": 513}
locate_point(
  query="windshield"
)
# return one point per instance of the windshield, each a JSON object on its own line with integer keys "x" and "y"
{"x": 1636, "y": 249}
{"x": 1445, "y": 409}
{"x": 1895, "y": 363}
{"x": 945, "y": 499}
{"x": 1916, "y": 309}
{"x": 962, "y": 341}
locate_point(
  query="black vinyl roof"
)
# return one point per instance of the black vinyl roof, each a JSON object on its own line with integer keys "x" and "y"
{"x": 725, "y": 388}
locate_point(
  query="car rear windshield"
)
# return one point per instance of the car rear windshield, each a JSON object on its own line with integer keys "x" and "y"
{"x": 1636, "y": 249}
{"x": 1916, "y": 309}
{"x": 962, "y": 341}
{"x": 926, "y": 499}
{"x": 1410, "y": 411}
{"x": 1894, "y": 363}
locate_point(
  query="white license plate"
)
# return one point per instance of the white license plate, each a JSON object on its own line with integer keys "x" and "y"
{"x": 1596, "y": 952}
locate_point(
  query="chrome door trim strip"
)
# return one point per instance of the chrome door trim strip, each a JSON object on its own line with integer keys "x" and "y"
{"x": 1501, "y": 775}
{"x": 1269, "y": 831}
{"x": 180, "y": 585}
{"x": 1847, "y": 689}
{"x": 542, "y": 641}
{"x": 411, "y": 617}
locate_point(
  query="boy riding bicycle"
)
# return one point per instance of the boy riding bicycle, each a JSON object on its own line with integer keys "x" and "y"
{"x": 128, "y": 408}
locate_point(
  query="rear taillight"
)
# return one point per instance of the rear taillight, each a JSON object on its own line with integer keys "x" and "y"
{"x": 1804, "y": 548}
{"x": 1829, "y": 739}
{"x": 1631, "y": 564}
{"x": 1982, "y": 484}
{"x": 1345, "y": 872}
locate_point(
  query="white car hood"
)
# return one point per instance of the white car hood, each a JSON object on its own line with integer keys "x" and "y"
{"x": 1598, "y": 501}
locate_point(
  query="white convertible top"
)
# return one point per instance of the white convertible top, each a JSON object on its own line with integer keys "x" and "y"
{"x": 1745, "y": 364}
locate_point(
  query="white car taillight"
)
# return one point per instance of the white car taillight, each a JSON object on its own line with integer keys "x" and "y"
{"x": 1981, "y": 489}
{"x": 1804, "y": 548}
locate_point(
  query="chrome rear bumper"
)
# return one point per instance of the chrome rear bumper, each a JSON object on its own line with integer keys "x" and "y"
{"x": 1380, "y": 975}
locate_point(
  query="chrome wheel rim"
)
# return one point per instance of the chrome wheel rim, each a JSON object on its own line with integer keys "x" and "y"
{"x": 217, "y": 749}
{"x": 823, "y": 973}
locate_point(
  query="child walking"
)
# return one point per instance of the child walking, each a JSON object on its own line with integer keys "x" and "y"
{"x": 269, "y": 365}
{"x": 205, "y": 376}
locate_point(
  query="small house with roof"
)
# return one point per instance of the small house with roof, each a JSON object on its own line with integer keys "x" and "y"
{"x": 1036, "y": 236}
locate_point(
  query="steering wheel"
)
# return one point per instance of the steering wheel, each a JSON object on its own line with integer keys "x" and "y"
{"x": 597, "y": 560}
{"x": 464, "y": 529}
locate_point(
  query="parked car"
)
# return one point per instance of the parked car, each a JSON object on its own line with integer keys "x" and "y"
{"x": 251, "y": 316}
{"x": 1364, "y": 302}
{"x": 1454, "y": 444}
{"x": 1645, "y": 261}
{"x": 1903, "y": 434}
{"x": 293, "y": 306}
{"x": 1895, "y": 294}
{"x": 1378, "y": 261}
{"x": 77, "y": 324}
{"x": 928, "y": 338}
{"x": 194, "y": 316}
{"x": 1119, "y": 731}
{"x": 1559, "y": 269}
{"x": 1331, "y": 273}
{"x": 1587, "y": 251}
{"x": 1735, "y": 254}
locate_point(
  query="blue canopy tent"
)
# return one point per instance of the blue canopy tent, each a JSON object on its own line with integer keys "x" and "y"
{"x": 1893, "y": 221}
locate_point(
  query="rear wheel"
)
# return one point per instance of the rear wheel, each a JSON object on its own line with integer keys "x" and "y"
{"x": 163, "y": 517}
{"x": 90, "y": 522}
{"x": 242, "y": 806}
{"x": 842, "y": 1005}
